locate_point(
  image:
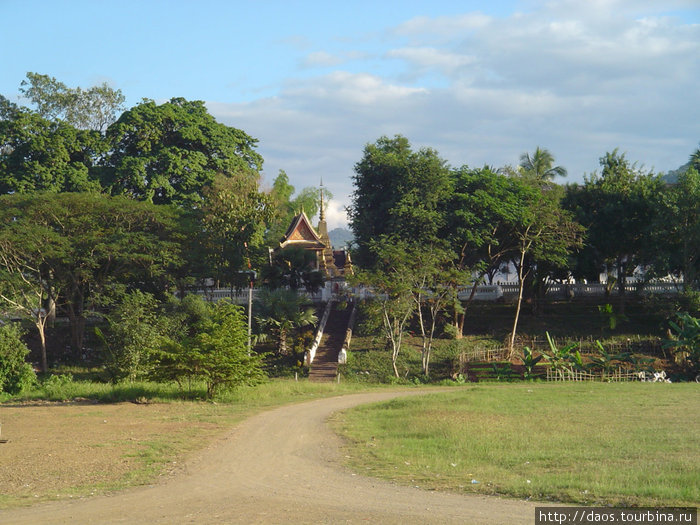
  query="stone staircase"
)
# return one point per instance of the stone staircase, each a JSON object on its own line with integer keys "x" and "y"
{"x": 325, "y": 365}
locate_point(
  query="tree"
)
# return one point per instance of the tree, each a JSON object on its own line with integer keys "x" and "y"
{"x": 26, "y": 286}
{"x": 37, "y": 154}
{"x": 543, "y": 230}
{"x": 281, "y": 311}
{"x": 480, "y": 215}
{"x": 94, "y": 108}
{"x": 540, "y": 166}
{"x": 83, "y": 244}
{"x": 391, "y": 284}
{"x": 398, "y": 192}
{"x": 433, "y": 282}
{"x": 618, "y": 208}
{"x": 233, "y": 217}
{"x": 170, "y": 153}
{"x": 134, "y": 337}
{"x": 677, "y": 229}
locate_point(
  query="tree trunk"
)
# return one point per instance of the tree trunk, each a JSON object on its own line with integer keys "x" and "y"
{"x": 282, "y": 344}
{"x": 517, "y": 309}
{"x": 41, "y": 325}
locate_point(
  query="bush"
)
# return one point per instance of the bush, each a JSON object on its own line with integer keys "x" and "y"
{"x": 16, "y": 374}
{"x": 133, "y": 339}
{"x": 58, "y": 387}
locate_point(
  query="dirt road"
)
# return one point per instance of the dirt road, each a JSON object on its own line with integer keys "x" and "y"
{"x": 281, "y": 466}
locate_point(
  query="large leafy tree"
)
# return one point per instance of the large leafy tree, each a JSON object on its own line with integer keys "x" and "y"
{"x": 544, "y": 232}
{"x": 37, "y": 154}
{"x": 481, "y": 211}
{"x": 676, "y": 231}
{"x": 170, "y": 153}
{"x": 78, "y": 246}
{"x": 233, "y": 215}
{"x": 399, "y": 192}
{"x": 618, "y": 208}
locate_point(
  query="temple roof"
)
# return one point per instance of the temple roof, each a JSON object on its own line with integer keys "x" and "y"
{"x": 302, "y": 233}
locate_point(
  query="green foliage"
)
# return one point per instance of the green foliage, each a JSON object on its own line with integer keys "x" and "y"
{"x": 558, "y": 358}
{"x": 134, "y": 338}
{"x": 169, "y": 153}
{"x": 607, "y": 362}
{"x": 80, "y": 245}
{"x": 16, "y": 374}
{"x": 398, "y": 192}
{"x": 611, "y": 317}
{"x": 41, "y": 155}
{"x": 59, "y": 387}
{"x": 233, "y": 219}
{"x": 219, "y": 354}
{"x": 281, "y": 311}
{"x": 540, "y": 166}
{"x": 685, "y": 340}
{"x": 529, "y": 362}
{"x": 94, "y": 108}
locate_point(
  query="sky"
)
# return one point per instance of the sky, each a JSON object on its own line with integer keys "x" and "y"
{"x": 315, "y": 81}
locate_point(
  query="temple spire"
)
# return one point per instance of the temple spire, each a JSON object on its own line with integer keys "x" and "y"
{"x": 322, "y": 213}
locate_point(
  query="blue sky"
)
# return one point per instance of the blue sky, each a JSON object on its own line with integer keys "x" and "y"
{"x": 480, "y": 82}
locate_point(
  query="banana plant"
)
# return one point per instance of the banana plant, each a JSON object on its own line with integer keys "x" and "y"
{"x": 558, "y": 358}
{"x": 529, "y": 361}
{"x": 685, "y": 340}
{"x": 606, "y": 362}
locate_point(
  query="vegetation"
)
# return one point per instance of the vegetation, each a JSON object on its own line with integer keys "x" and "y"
{"x": 16, "y": 375}
{"x": 578, "y": 443}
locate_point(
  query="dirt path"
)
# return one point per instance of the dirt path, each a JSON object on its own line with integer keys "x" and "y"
{"x": 280, "y": 466}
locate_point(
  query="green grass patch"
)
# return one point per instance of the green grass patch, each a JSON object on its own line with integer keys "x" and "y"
{"x": 594, "y": 443}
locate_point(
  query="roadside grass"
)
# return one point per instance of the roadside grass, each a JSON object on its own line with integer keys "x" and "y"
{"x": 630, "y": 444}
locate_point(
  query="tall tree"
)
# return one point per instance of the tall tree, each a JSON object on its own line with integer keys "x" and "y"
{"x": 544, "y": 231}
{"x": 480, "y": 216}
{"x": 398, "y": 192}
{"x": 540, "y": 165}
{"x": 617, "y": 207}
{"x": 94, "y": 108}
{"x": 37, "y": 154}
{"x": 391, "y": 282}
{"x": 676, "y": 232}
{"x": 234, "y": 214}
{"x": 170, "y": 153}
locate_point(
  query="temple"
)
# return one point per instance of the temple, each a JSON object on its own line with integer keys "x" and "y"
{"x": 334, "y": 264}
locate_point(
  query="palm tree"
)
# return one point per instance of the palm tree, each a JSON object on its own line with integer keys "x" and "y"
{"x": 695, "y": 160}
{"x": 281, "y": 311}
{"x": 539, "y": 166}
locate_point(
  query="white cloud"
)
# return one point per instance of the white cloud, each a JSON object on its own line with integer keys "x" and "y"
{"x": 579, "y": 78}
{"x": 321, "y": 59}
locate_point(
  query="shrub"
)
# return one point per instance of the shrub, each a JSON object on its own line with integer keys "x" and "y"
{"x": 134, "y": 337}
{"x": 16, "y": 374}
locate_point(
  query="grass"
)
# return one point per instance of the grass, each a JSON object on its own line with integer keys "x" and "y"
{"x": 594, "y": 443}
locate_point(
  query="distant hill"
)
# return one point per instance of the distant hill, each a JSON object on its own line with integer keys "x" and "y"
{"x": 672, "y": 176}
{"x": 340, "y": 237}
